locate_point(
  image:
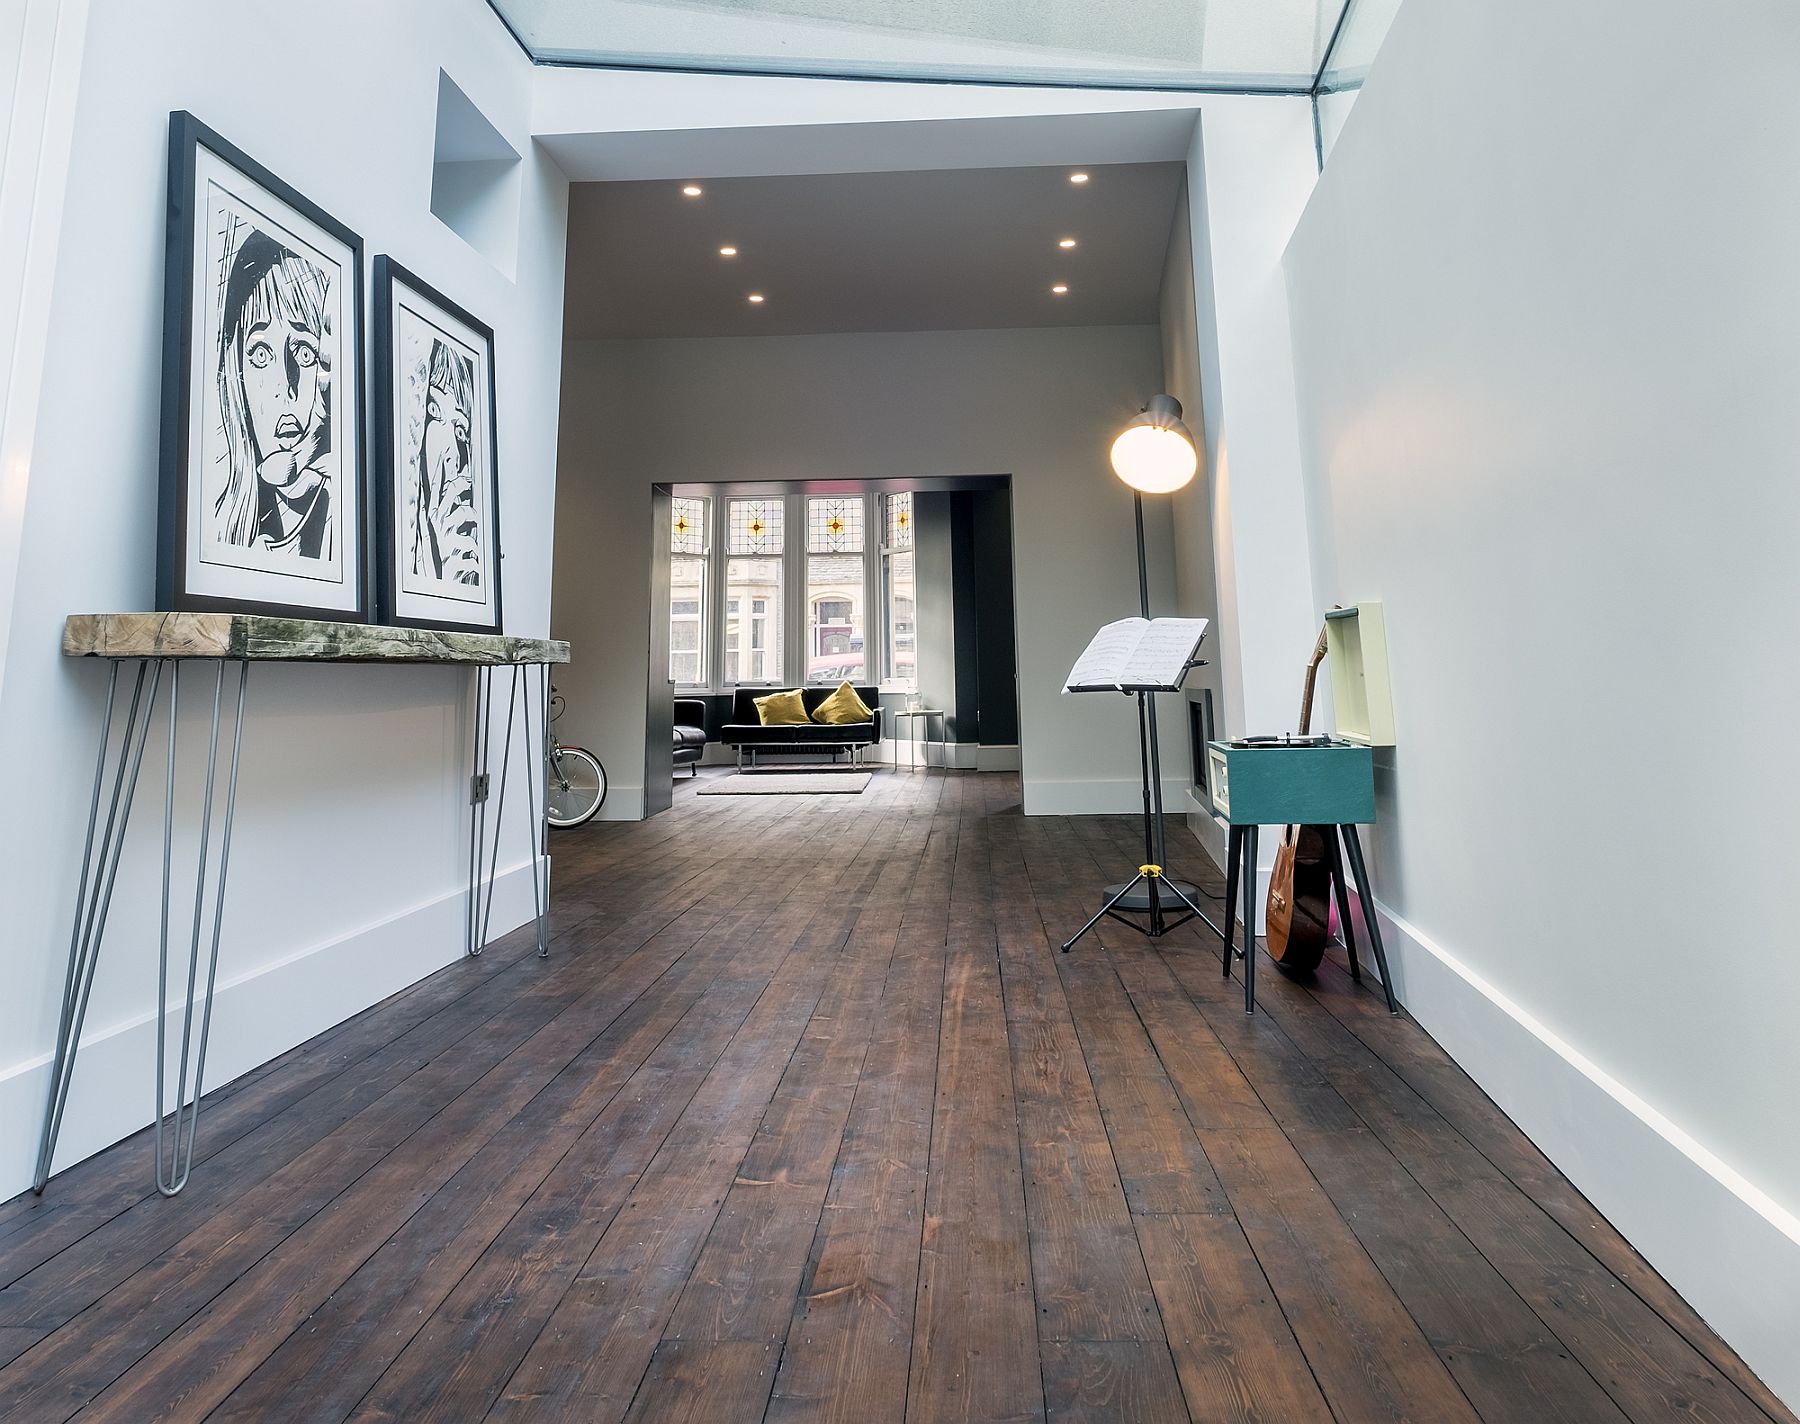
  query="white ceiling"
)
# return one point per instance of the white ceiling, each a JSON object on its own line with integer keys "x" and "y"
{"x": 909, "y": 251}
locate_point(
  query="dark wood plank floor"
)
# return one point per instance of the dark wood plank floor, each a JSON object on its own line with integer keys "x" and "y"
{"x": 805, "y": 1119}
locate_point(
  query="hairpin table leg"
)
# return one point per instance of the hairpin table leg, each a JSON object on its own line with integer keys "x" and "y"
{"x": 93, "y": 898}
{"x": 174, "y": 1166}
{"x": 513, "y": 692}
{"x": 537, "y": 789}
{"x": 478, "y": 792}
{"x": 1371, "y": 921}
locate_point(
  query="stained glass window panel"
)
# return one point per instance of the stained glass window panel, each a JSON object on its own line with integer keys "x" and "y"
{"x": 687, "y": 526}
{"x": 899, "y": 521}
{"x": 755, "y": 526}
{"x": 834, "y": 526}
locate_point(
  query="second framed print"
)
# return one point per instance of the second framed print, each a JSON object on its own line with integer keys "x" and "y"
{"x": 262, "y": 440}
{"x": 438, "y": 490}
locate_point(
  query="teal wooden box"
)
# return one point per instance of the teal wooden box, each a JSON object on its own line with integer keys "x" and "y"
{"x": 1276, "y": 786}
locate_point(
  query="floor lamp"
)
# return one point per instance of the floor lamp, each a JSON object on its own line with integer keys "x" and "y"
{"x": 1154, "y": 454}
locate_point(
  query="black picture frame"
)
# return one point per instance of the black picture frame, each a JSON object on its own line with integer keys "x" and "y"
{"x": 205, "y": 446}
{"x": 409, "y": 597}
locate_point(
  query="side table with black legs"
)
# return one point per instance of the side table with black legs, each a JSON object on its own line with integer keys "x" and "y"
{"x": 1330, "y": 785}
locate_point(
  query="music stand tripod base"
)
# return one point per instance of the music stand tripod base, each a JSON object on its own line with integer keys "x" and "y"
{"x": 1136, "y": 896}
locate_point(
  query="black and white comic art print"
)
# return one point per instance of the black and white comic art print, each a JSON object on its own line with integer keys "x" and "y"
{"x": 439, "y": 542}
{"x": 262, "y": 463}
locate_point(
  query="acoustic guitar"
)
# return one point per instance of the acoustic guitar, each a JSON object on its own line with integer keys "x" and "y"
{"x": 1299, "y": 907}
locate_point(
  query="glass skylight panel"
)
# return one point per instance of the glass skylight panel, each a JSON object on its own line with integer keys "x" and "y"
{"x": 1236, "y": 44}
{"x": 1365, "y": 27}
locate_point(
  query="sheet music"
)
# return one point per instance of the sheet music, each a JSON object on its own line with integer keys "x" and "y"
{"x": 1136, "y": 653}
{"x": 1103, "y": 662}
{"x": 1163, "y": 652}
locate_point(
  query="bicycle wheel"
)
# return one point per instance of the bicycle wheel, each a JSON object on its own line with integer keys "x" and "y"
{"x": 576, "y": 789}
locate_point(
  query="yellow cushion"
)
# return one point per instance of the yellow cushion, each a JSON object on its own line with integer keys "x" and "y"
{"x": 842, "y": 707}
{"x": 782, "y": 709}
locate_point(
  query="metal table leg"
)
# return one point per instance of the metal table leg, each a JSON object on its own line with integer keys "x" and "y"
{"x": 173, "y": 1167}
{"x": 484, "y": 861}
{"x": 1250, "y": 919}
{"x": 1371, "y": 921}
{"x": 94, "y": 897}
{"x": 1335, "y": 865}
{"x": 1234, "y": 859}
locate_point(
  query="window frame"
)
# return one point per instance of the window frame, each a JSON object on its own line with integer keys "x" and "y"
{"x": 705, "y": 661}
{"x": 794, "y": 557}
{"x": 727, "y": 494}
{"x": 884, "y": 563}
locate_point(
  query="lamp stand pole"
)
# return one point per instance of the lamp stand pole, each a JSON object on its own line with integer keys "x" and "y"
{"x": 1157, "y": 889}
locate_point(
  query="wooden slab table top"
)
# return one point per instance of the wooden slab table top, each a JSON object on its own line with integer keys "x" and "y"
{"x": 255, "y": 637}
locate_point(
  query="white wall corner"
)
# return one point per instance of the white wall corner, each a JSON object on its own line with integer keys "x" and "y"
{"x": 1250, "y": 173}
{"x": 34, "y": 164}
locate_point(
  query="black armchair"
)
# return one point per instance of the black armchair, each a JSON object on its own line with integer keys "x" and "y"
{"x": 690, "y": 732}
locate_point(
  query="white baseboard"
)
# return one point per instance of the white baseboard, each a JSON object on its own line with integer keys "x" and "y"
{"x": 1730, "y": 1250}
{"x": 1097, "y": 798}
{"x": 625, "y": 803}
{"x": 256, "y": 1016}
{"x": 1208, "y": 829}
{"x": 997, "y": 758}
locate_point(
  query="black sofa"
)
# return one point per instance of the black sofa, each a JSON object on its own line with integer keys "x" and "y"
{"x": 745, "y": 732}
{"x": 690, "y": 733}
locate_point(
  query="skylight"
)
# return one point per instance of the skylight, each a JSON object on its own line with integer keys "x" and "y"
{"x": 1262, "y": 45}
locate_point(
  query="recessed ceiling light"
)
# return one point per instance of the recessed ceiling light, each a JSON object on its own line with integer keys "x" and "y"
{"x": 692, "y": 190}
{"x": 1078, "y": 177}
{"x": 728, "y": 252}
{"x": 1067, "y": 242}
{"x": 1061, "y": 289}
{"x": 756, "y": 299}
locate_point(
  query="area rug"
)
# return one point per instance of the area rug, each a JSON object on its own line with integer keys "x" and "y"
{"x": 788, "y": 783}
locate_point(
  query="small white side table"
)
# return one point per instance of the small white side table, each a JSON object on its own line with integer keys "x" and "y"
{"x": 919, "y": 714}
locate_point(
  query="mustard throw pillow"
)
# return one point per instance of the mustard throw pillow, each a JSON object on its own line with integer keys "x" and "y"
{"x": 782, "y": 709}
{"x": 842, "y": 707}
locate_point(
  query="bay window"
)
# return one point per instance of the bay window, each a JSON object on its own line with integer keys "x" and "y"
{"x": 756, "y": 572}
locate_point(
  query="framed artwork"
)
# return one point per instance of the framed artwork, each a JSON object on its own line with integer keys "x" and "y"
{"x": 263, "y": 489}
{"x": 438, "y": 488}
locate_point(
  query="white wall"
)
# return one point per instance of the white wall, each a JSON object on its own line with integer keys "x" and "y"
{"x": 348, "y": 858}
{"x": 1548, "y": 363}
{"x": 1191, "y": 509}
{"x": 1039, "y": 405}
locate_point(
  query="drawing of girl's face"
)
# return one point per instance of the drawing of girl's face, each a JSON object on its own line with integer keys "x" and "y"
{"x": 280, "y": 373}
{"x": 446, "y": 439}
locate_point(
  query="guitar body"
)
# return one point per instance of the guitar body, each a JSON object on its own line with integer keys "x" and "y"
{"x": 1299, "y": 910}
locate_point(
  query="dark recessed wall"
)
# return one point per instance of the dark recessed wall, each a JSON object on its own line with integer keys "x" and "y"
{"x": 967, "y": 659}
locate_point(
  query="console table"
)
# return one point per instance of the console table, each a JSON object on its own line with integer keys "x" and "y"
{"x": 160, "y": 644}
{"x": 1329, "y": 785}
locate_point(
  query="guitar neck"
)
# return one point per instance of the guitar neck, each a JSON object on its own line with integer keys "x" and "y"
{"x": 1312, "y": 678}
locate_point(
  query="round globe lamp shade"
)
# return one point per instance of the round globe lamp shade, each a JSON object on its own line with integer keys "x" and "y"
{"x": 1155, "y": 453}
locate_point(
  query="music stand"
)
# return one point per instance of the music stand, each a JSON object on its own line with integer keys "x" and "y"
{"x": 1144, "y": 894}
